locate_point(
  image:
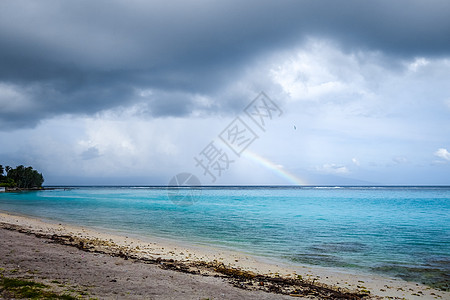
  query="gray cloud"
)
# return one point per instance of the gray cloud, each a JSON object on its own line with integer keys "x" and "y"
{"x": 83, "y": 57}
{"x": 90, "y": 153}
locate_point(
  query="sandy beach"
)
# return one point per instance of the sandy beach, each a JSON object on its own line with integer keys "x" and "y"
{"x": 95, "y": 264}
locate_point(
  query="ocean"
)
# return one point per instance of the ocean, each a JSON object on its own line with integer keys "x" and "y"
{"x": 397, "y": 231}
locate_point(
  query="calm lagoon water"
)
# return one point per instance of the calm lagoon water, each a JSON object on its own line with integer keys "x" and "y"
{"x": 399, "y": 231}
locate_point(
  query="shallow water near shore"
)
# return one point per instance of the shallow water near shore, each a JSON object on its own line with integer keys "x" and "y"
{"x": 397, "y": 231}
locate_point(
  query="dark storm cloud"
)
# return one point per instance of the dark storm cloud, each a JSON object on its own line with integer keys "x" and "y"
{"x": 82, "y": 57}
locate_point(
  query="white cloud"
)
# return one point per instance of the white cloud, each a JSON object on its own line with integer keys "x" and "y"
{"x": 355, "y": 161}
{"x": 400, "y": 159}
{"x": 443, "y": 154}
{"x": 418, "y": 63}
{"x": 316, "y": 70}
{"x": 332, "y": 169}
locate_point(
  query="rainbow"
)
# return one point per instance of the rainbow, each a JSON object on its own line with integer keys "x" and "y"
{"x": 277, "y": 169}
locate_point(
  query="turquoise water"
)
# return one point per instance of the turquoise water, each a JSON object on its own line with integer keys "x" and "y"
{"x": 399, "y": 231}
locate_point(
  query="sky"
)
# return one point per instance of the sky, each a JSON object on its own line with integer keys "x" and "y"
{"x": 257, "y": 92}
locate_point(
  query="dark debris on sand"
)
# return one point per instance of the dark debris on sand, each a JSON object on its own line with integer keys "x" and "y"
{"x": 237, "y": 277}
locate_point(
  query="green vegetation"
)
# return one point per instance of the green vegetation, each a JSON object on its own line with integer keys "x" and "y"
{"x": 19, "y": 289}
{"x": 20, "y": 177}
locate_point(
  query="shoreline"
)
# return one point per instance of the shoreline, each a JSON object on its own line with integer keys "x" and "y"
{"x": 248, "y": 272}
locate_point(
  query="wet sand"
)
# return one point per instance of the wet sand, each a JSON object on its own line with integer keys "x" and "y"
{"x": 110, "y": 266}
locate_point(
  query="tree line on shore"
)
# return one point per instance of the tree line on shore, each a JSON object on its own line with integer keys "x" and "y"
{"x": 21, "y": 177}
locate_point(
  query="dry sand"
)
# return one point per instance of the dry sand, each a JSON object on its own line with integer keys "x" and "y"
{"x": 110, "y": 266}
